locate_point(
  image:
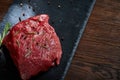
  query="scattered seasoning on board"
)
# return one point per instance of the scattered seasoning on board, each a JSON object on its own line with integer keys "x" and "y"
{"x": 19, "y": 19}
{"x": 48, "y": 3}
{"x": 62, "y": 38}
{"x": 71, "y": 1}
{"x": 59, "y": 6}
{"x": 52, "y": 22}
{"x": 29, "y": 7}
{"x": 23, "y": 14}
{"x": 21, "y": 4}
{"x": 33, "y": 10}
{"x": 29, "y": 1}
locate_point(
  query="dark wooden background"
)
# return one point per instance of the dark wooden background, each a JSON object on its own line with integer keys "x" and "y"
{"x": 4, "y": 5}
{"x": 98, "y": 54}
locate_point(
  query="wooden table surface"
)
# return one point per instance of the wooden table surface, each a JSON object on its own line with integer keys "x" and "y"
{"x": 98, "y": 54}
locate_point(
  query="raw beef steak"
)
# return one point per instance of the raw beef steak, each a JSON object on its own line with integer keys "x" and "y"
{"x": 33, "y": 46}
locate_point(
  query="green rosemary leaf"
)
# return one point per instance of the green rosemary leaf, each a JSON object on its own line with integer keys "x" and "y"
{"x": 5, "y": 31}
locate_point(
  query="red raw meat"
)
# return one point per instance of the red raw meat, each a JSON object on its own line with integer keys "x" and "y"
{"x": 33, "y": 46}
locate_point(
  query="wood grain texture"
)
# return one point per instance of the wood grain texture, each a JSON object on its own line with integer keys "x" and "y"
{"x": 98, "y": 54}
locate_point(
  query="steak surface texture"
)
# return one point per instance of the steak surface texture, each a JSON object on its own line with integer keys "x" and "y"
{"x": 33, "y": 45}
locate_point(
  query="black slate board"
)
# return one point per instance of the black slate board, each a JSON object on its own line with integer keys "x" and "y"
{"x": 68, "y": 17}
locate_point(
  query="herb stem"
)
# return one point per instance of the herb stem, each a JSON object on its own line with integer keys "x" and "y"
{"x": 5, "y": 31}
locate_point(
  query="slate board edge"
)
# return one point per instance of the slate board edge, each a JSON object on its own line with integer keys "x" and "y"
{"x": 78, "y": 40}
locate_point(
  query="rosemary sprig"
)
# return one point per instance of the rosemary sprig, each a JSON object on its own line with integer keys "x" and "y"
{"x": 5, "y": 31}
